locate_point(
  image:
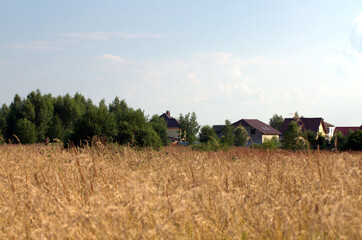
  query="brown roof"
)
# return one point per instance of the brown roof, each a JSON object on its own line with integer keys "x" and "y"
{"x": 218, "y": 129}
{"x": 328, "y": 124}
{"x": 346, "y": 130}
{"x": 306, "y": 124}
{"x": 258, "y": 125}
{"x": 171, "y": 122}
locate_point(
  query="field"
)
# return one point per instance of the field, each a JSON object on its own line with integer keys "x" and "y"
{"x": 109, "y": 192}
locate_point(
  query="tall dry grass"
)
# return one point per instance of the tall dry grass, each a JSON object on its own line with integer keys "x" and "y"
{"x": 118, "y": 193}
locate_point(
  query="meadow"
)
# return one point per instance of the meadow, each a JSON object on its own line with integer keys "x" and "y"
{"x": 113, "y": 192}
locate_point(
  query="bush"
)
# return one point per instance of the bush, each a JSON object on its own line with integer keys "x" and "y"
{"x": 271, "y": 144}
{"x": 207, "y": 134}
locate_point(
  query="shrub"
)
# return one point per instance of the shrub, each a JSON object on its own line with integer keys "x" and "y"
{"x": 271, "y": 144}
{"x": 207, "y": 134}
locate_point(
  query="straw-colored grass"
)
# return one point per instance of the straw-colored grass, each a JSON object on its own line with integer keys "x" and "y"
{"x": 109, "y": 192}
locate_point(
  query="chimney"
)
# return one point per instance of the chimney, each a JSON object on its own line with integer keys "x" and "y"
{"x": 168, "y": 113}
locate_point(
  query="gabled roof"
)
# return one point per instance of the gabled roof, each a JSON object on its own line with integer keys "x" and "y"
{"x": 328, "y": 124}
{"x": 345, "y": 130}
{"x": 306, "y": 123}
{"x": 218, "y": 129}
{"x": 264, "y": 128}
{"x": 171, "y": 122}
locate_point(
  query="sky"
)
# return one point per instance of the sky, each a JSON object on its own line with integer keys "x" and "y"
{"x": 220, "y": 59}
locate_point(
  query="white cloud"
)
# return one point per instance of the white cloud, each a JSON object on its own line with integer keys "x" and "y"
{"x": 109, "y": 35}
{"x": 113, "y": 58}
{"x": 37, "y": 45}
{"x": 195, "y": 79}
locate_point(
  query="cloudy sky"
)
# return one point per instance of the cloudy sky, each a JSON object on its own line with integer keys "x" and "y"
{"x": 221, "y": 59}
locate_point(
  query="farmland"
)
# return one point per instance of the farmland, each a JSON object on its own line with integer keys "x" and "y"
{"x": 113, "y": 192}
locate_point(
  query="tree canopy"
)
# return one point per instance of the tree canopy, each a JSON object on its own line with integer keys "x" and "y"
{"x": 276, "y": 121}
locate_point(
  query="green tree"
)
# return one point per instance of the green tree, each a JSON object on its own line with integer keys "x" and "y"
{"x": 207, "y": 134}
{"x": 293, "y": 139}
{"x": 312, "y": 139}
{"x": 276, "y": 122}
{"x": 44, "y": 109}
{"x": 159, "y": 125}
{"x": 96, "y": 121}
{"x": 339, "y": 140}
{"x": 321, "y": 142}
{"x": 354, "y": 141}
{"x": 4, "y": 111}
{"x": 25, "y": 131}
{"x": 228, "y": 136}
{"x": 189, "y": 127}
{"x": 241, "y": 136}
{"x": 118, "y": 106}
{"x": 55, "y": 130}
{"x": 13, "y": 116}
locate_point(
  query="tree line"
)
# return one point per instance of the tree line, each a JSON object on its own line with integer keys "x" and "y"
{"x": 76, "y": 120}
{"x": 39, "y": 118}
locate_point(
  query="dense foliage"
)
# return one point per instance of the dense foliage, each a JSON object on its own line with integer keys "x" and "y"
{"x": 276, "y": 122}
{"x": 189, "y": 127}
{"x": 39, "y": 118}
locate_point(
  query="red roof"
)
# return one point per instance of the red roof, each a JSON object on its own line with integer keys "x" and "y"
{"x": 346, "y": 130}
{"x": 258, "y": 125}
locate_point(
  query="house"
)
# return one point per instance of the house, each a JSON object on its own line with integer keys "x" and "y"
{"x": 345, "y": 130}
{"x": 173, "y": 126}
{"x": 313, "y": 124}
{"x": 330, "y": 130}
{"x": 218, "y": 129}
{"x": 257, "y": 130}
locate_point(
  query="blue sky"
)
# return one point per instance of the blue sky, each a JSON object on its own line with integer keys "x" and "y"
{"x": 221, "y": 59}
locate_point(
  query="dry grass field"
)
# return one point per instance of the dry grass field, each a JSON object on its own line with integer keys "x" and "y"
{"x": 109, "y": 192}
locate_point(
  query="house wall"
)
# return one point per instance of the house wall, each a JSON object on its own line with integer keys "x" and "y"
{"x": 173, "y": 132}
{"x": 254, "y": 138}
{"x": 268, "y": 137}
{"x": 321, "y": 130}
{"x": 330, "y": 132}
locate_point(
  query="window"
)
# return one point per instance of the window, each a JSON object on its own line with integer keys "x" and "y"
{"x": 252, "y": 131}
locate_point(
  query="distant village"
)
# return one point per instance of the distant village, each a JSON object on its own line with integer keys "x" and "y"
{"x": 259, "y": 131}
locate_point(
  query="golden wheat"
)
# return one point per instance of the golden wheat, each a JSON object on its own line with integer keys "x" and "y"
{"x": 109, "y": 192}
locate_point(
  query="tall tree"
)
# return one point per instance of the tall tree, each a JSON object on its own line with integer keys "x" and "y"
{"x": 276, "y": 122}
{"x": 4, "y": 111}
{"x": 241, "y": 136}
{"x": 44, "y": 110}
{"x": 293, "y": 139}
{"x": 228, "y": 136}
{"x": 189, "y": 127}
{"x": 13, "y": 116}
